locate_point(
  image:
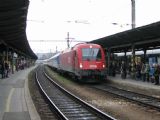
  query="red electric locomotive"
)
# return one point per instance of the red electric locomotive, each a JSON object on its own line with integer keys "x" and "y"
{"x": 84, "y": 61}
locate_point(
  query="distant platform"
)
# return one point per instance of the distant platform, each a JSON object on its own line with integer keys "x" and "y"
{"x": 15, "y": 100}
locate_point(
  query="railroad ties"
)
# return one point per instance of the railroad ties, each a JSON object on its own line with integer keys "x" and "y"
{"x": 67, "y": 105}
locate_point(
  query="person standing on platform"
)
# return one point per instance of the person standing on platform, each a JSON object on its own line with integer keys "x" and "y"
{"x": 123, "y": 70}
{"x": 6, "y": 69}
{"x": 143, "y": 77}
{"x": 156, "y": 74}
{"x": 2, "y": 69}
{"x": 147, "y": 69}
{"x": 129, "y": 68}
{"x": 114, "y": 69}
{"x": 151, "y": 73}
{"x": 138, "y": 71}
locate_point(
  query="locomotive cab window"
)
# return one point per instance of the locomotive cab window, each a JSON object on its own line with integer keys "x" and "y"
{"x": 91, "y": 54}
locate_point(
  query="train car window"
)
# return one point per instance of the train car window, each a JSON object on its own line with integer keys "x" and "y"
{"x": 91, "y": 54}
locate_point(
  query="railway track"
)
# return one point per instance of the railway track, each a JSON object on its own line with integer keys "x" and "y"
{"x": 142, "y": 99}
{"x": 66, "y": 105}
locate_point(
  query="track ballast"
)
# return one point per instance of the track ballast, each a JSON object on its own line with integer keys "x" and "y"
{"x": 67, "y": 105}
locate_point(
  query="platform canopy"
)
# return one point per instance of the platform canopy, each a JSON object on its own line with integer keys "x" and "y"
{"x": 145, "y": 37}
{"x": 13, "y": 16}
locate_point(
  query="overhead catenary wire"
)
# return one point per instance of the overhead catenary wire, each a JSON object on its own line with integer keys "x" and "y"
{"x": 56, "y": 41}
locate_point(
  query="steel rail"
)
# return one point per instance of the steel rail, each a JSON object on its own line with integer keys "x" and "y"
{"x": 59, "y": 113}
{"x": 142, "y": 99}
{"x": 95, "y": 110}
{"x": 86, "y": 111}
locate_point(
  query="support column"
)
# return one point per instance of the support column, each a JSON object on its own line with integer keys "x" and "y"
{"x": 133, "y": 62}
{"x": 144, "y": 55}
{"x": 125, "y": 56}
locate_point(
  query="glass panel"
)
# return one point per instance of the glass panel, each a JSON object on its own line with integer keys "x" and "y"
{"x": 91, "y": 54}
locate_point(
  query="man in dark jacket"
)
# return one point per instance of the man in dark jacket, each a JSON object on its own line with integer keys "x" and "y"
{"x": 6, "y": 69}
{"x": 156, "y": 74}
{"x": 2, "y": 69}
{"x": 123, "y": 70}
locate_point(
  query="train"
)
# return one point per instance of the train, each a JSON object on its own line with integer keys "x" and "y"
{"x": 84, "y": 62}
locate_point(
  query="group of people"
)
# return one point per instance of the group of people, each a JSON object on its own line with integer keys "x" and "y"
{"x": 144, "y": 72}
{"x": 149, "y": 73}
{"x": 4, "y": 69}
{"x": 141, "y": 71}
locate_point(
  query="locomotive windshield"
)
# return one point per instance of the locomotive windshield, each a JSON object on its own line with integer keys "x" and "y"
{"x": 91, "y": 54}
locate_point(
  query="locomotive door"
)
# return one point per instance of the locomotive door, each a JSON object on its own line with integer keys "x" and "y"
{"x": 75, "y": 62}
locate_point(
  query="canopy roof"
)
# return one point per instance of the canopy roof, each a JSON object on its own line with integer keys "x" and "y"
{"x": 145, "y": 37}
{"x": 13, "y": 16}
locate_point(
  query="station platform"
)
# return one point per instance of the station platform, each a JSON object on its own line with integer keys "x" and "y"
{"x": 15, "y": 99}
{"x": 139, "y": 86}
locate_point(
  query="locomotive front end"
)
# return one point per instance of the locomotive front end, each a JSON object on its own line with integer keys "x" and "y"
{"x": 92, "y": 62}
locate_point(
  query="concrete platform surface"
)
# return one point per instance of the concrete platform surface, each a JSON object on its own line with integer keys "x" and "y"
{"x": 140, "y": 86}
{"x": 15, "y": 99}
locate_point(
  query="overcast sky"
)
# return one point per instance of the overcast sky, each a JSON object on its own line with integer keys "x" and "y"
{"x": 85, "y": 20}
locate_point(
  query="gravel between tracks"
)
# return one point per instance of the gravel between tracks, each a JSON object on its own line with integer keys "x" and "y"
{"x": 39, "y": 102}
{"x": 118, "y": 108}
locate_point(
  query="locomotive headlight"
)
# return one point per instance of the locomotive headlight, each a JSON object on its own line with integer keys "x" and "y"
{"x": 80, "y": 65}
{"x": 104, "y": 66}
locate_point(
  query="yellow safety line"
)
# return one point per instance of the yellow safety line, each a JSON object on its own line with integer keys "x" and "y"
{"x": 7, "y": 109}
